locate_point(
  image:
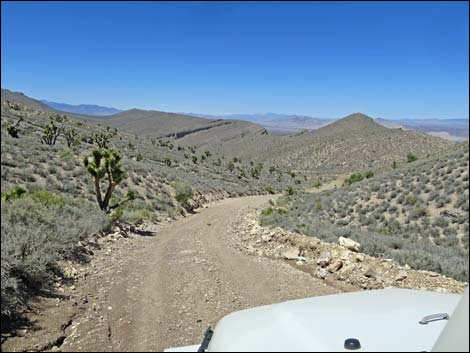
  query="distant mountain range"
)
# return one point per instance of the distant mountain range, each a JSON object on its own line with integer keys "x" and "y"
{"x": 279, "y": 124}
{"x": 85, "y": 109}
{"x": 450, "y": 129}
{"x": 283, "y": 124}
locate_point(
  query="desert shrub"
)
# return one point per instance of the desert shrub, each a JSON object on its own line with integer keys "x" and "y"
{"x": 442, "y": 200}
{"x": 269, "y": 189}
{"x": 418, "y": 212}
{"x": 184, "y": 193}
{"x": 411, "y": 158}
{"x": 267, "y": 211}
{"x": 441, "y": 222}
{"x": 65, "y": 155}
{"x": 38, "y": 230}
{"x": 317, "y": 184}
{"x": 369, "y": 174}
{"x": 411, "y": 199}
{"x": 134, "y": 212}
{"x": 13, "y": 194}
{"x": 13, "y": 130}
{"x": 375, "y": 188}
{"x": 354, "y": 178}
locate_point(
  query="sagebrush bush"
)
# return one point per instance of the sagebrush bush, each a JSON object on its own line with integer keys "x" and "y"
{"x": 38, "y": 230}
{"x": 184, "y": 193}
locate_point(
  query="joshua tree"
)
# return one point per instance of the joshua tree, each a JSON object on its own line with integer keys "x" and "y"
{"x": 71, "y": 137}
{"x": 102, "y": 138}
{"x": 13, "y": 130}
{"x": 230, "y": 166}
{"x": 290, "y": 190}
{"x": 107, "y": 163}
{"x": 254, "y": 173}
{"x": 50, "y": 133}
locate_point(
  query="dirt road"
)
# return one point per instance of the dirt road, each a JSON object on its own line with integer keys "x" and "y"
{"x": 168, "y": 288}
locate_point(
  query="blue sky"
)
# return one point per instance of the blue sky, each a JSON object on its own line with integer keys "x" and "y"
{"x": 390, "y": 60}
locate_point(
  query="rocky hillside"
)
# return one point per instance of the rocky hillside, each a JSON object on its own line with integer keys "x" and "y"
{"x": 18, "y": 97}
{"x": 158, "y": 124}
{"x": 153, "y": 163}
{"x": 353, "y": 144}
{"x": 49, "y": 202}
{"x": 189, "y": 130}
{"x": 357, "y": 144}
{"x": 417, "y": 214}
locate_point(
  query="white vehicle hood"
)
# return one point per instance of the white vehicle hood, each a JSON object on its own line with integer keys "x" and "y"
{"x": 382, "y": 320}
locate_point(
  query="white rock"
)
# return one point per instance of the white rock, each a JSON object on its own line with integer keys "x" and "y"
{"x": 359, "y": 258}
{"x": 291, "y": 254}
{"x": 401, "y": 275}
{"x": 322, "y": 273}
{"x": 349, "y": 244}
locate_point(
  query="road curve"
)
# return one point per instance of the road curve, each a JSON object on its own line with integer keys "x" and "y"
{"x": 171, "y": 286}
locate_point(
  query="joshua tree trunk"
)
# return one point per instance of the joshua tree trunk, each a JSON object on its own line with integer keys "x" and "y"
{"x": 107, "y": 197}
{"x": 98, "y": 193}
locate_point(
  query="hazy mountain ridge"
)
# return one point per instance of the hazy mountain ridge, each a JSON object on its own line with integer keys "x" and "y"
{"x": 86, "y": 109}
{"x": 283, "y": 124}
{"x": 278, "y": 124}
{"x": 274, "y": 123}
{"x": 452, "y": 129}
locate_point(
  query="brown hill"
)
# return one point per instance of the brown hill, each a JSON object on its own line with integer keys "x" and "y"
{"x": 356, "y": 123}
{"x": 18, "y": 97}
{"x": 190, "y": 130}
{"x": 355, "y": 143}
